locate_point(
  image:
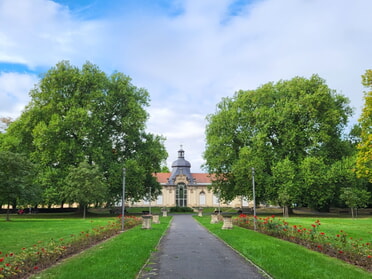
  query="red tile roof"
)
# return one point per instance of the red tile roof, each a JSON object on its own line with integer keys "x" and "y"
{"x": 162, "y": 177}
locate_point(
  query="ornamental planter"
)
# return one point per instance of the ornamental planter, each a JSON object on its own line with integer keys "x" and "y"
{"x": 155, "y": 219}
{"x": 214, "y": 219}
{"x": 200, "y": 212}
{"x": 227, "y": 222}
{"x": 165, "y": 213}
{"x": 146, "y": 221}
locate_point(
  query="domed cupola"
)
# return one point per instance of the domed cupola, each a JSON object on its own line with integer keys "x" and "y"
{"x": 181, "y": 162}
{"x": 181, "y": 167}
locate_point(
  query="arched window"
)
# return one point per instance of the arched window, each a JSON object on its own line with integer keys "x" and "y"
{"x": 181, "y": 195}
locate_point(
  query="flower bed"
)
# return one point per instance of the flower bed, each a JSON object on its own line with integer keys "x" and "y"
{"x": 354, "y": 251}
{"x": 42, "y": 255}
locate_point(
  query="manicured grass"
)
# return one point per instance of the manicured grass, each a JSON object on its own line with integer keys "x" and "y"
{"x": 282, "y": 259}
{"x": 120, "y": 257}
{"x": 360, "y": 228}
{"x": 25, "y": 232}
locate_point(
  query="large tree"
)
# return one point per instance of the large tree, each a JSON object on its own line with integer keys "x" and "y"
{"x": 83, "y": 115}
{"x": 288, "y": 120}
{"x": 364, "y": 158}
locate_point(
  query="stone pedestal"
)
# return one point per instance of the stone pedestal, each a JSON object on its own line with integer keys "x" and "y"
{"x": 227, "y": 222}
{"x": 155, "y": 219}
{"x": 200, "y": 212}
{"x": 146, "y": 221}
{"x": 165, "y": 213}
{"x": 214, "y": 219}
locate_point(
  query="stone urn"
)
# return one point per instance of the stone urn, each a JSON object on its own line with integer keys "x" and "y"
{"x": 200, "y": 212}
{"x": 146, "y": 221}
{"x": 227, "y": 222}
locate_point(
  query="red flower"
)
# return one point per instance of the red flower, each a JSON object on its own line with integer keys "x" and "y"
{"x": 36, "y": 267}
{"x": 272, "y": 216}
{"x": 338, "y": 235}
{"x": 369, "y": 256}
{"x": 7, "y": 264}
{"x": 1, "y": 260}
{"x": 340, "y": 252}
{"x": 322, "y": 233}
{"x": 313, "y": 225}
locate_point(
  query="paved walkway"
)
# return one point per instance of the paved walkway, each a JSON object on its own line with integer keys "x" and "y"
{"x": 189, "y": 251}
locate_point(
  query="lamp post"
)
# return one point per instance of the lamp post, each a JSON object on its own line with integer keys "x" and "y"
{"x": 254, "y": 200}
{"x": 123, "y": 202}
{"x": 150, "y": 202}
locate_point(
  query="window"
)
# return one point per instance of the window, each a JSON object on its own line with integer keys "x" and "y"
{"x": 202, "y": 198}
{"x": 181, "y": 195}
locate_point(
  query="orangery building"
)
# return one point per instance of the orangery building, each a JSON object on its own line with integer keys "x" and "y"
{"x": 183, "y": 188}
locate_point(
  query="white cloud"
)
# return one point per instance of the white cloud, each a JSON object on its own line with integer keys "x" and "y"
{"x": 191, "y": 59}
{"x": 14, "y": 90}
{"x": 41, "y": 33}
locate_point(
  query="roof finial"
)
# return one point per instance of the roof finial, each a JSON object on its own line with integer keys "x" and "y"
{"x": 181, "y": 146}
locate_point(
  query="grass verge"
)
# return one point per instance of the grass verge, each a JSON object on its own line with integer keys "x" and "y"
{"x": 120, "y": 257}
{"x": 25, "y": 232}
{"x": 282, "y": 259}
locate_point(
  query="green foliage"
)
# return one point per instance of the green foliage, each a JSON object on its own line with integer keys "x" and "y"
{"x": 181, "y": 209}
{"x": 16, "y": 184}
{"x": 355, "y": 198}
{"x": 314, "y": 183}
{"x": 85, "y": 185}
{"x": 364, "y": 158}
{"x": 288, "y": 120}
{"x": 77, "y": 115}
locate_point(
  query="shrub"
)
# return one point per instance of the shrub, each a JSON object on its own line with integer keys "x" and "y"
{"x": 181, "y": 209}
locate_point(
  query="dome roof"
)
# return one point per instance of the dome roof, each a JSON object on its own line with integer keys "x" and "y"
{"x": 181, "y": 162}
{"x": 181, "y": 167}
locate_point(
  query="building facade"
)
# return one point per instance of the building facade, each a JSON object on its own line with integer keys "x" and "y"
{"x": 185, "y": 189}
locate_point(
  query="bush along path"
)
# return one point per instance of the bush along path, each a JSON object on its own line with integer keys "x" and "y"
{"x": 42, "y": 255}
{"x": 353, "y": 251}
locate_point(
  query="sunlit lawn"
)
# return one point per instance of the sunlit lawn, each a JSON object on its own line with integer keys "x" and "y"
{"x": 360, "y": 228}
{"x": 25, "y": 232}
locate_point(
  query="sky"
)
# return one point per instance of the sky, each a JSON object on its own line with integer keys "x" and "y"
{"x": 188, "y": 54}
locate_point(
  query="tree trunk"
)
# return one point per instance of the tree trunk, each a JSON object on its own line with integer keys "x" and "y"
{"x": 285, "y": 211}
{"x": 84, "y": 211}
{"x": 7, "y": 213}
{"x": 352, "y": 212}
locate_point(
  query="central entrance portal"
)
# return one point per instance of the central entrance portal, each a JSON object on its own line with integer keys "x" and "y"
{"x": 181, "y": 195}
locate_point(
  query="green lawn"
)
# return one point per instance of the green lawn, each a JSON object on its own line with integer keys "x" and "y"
{"x": 283, "y": 259}
{"x": 355, "y": 228}
{"x": 120, "y": 257}
{"x": 25, "y": 232}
